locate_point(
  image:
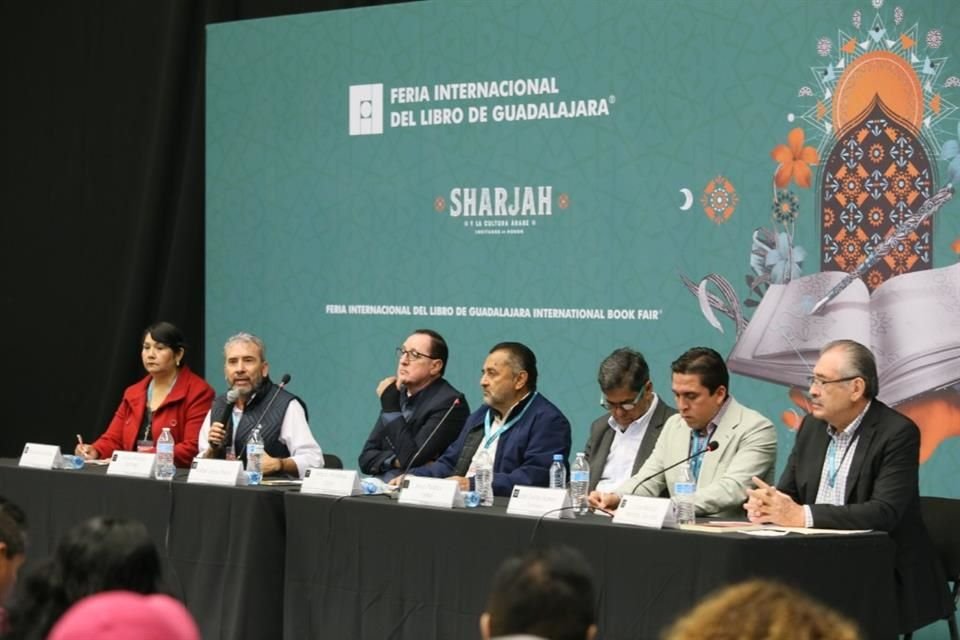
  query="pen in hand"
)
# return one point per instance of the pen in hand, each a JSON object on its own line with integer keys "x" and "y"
{"x": 82, "y": 449}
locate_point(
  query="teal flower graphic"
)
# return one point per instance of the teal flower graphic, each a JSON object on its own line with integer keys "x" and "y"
{"x": 785, "y": 260}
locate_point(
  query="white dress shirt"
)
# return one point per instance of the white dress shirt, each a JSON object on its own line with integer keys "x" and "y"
{"x": 623, "y": 449}
{"x": 295, "y": 434}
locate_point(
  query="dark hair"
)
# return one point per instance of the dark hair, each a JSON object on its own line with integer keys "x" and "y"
{"x": 100, "y": 554}
{"x": 13, "y": 523}
{"x": 168, "y": 334}
{"x": 705, "y": 363}
{"x": 860, "y": 362}
{"x": 545, "y": 592}
{"x": 438, "y": 347}
{"x": 521, "y": 359}
{"x": 623, "y": 367}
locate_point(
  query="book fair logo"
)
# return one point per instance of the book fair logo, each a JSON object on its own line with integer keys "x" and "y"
{"x": 366, "y": 109}
{"x": 503, "y": 210}
{"x": 479, "y": 103}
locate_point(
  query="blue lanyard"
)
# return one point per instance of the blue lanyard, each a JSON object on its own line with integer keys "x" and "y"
{"x": 487, "y": 423}
{"x": 833, "y": 469}
{"x": 699, "y": 443}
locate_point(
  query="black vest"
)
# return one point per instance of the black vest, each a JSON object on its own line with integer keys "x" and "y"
{"x": 253, "y": 414}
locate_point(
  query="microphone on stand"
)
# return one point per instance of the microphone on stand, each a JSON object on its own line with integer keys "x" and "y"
{"x": 402, "y": 476}
{"x": 283, "y": 382}
{"x": 713, "y": 445}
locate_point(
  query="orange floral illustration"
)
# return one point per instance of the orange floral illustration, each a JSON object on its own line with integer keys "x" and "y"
{"x": 795, "y": 160}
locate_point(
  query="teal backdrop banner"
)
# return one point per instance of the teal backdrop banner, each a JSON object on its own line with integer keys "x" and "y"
{"x": 580, "y": 176}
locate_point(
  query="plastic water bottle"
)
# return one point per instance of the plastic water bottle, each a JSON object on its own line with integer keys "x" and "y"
{"x": 579, "y": 481}
{"x": 558, "y": 473}
{"x": 70, "y": 461}
{"x": 683, "y": 490}
{"x": 483, "y": 477}
{"x": 254, "y": 454}
{"x": 165, "y": 468}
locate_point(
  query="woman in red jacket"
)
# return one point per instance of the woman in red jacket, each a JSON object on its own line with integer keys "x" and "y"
{"x": 170, "y": 396}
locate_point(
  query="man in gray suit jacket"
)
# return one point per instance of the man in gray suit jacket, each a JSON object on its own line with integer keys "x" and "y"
{"x": 621, "y": 440}
{"x": 747, "y": 441}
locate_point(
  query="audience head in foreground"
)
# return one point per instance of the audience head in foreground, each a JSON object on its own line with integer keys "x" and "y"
{"x": 100, "y": 554}
{"x": 120, "y": 615}
{"x": 761, "y": 610}
{"x": 13, "y": 552}
{"x": 545, "y": 593}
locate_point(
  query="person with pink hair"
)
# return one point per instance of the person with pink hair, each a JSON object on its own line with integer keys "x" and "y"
{"x": 119, "y": 615}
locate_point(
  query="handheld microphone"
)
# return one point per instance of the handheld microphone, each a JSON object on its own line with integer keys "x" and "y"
{"x": 225, "y": 420}
{"x": 713, "y": 445}
{"x": 454, "y": 404}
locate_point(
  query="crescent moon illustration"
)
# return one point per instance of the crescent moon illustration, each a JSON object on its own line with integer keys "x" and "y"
{"x": 689, "y": 199}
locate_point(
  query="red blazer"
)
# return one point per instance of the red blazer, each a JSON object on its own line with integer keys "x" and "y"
{"x": 183, "y": 411}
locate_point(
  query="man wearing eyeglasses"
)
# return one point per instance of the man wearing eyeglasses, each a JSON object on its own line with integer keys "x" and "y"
{"x": 707, "y": 413}
{"x": 621, "y": 440}
{"x": 412, "y": 405}
{"x": 855, "y": 465}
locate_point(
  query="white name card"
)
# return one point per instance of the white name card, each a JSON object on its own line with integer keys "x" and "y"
{"x": 331, "y": 482}
{"x": 40, "y": 456}
{"x": 540, "y": 501}
{"x": 431, "y": 492}
{"x": 132, "y": 464}
{"x": 640, "y": 511}
{"x": 227, "y": 473}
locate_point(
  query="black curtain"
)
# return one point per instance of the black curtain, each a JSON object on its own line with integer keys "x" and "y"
{"x": 102, "y": 194}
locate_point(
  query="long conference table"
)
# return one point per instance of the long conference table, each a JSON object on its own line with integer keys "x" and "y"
{"x": 267, "y": 562}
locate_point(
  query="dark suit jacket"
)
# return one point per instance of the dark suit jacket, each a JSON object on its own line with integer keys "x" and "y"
{"x": 524, "y": 451}
{"x": 392, "y": 435}
{"x": 882, "y": 494}
{"x": 601, "y": 437}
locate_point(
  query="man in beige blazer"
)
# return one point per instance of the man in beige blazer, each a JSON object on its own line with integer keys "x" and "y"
{"x": 707, "y": 413}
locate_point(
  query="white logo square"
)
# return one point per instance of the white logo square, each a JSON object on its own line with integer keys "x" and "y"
{"x": 366, "y": 109}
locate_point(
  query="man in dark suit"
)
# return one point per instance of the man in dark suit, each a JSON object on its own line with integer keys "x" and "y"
{"x": 517, "y": 426}
{"x": 855, "y": 465}
{"x": 412, "y": 405}
{"x": 622, "y": 439}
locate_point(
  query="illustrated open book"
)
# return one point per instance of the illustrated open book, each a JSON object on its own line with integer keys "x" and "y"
{"x": 911, "y": 323}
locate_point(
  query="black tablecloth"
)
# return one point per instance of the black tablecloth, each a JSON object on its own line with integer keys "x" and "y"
{"x": 367, "y": 567}
{"x": 260, "y": 562}
{"x": 223, "y": 550}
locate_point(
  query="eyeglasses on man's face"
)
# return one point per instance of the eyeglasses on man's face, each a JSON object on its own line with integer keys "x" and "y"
{"x": 819, "y": 383}
{"x": 623, "y": 406}
{"x": 412, "y": 354}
